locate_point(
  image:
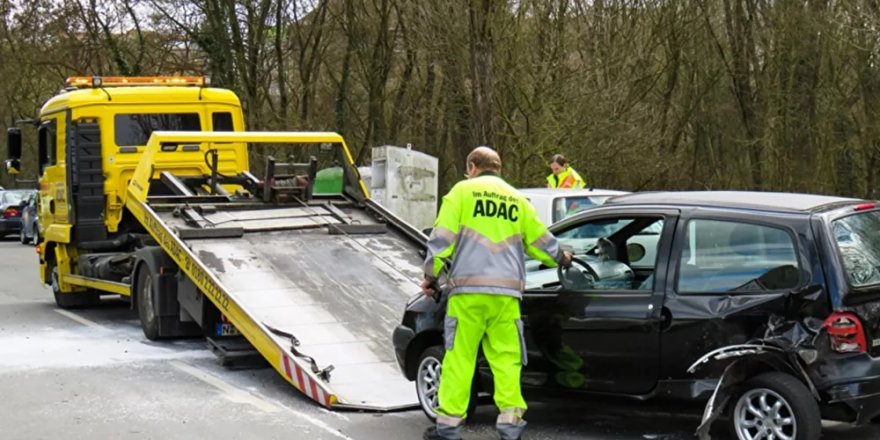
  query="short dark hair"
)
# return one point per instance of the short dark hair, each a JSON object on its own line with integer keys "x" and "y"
{"x": 559, "y": 159}
{"x": 485, "y": 158}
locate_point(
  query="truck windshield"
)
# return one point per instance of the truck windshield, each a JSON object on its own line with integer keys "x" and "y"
{"x": 134, "y": 130}
{"x": 858, "y": 238}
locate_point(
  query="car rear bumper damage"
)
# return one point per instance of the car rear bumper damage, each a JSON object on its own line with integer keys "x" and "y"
{"x": 852, "y": 381}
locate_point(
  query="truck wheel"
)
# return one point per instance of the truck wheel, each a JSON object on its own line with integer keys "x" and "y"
{"x": 428, "y": 383}
{"x": 775, "y": 405}
{"x": 70, "y": 300}
{"x": 146, "y": 303}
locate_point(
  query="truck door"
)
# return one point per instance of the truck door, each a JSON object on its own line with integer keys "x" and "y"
{"x": 53, "y": 180}
{"x": 601, "y": 331}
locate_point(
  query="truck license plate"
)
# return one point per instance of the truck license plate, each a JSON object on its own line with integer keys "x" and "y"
{"x": 227, "y": 329}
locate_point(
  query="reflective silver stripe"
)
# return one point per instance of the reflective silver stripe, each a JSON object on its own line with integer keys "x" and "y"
{"x": 548, "y": 244}
{"x": 483, "y": 290}
{"x": 440, "y": 240}
{"x": 449, "y": 421}
{"x": 509, "y": 419}
{"x": 470, "y": 234}
{"x": 481, "y": 266}
{"x": 443, "y": 233}
{"x": 517, "y": 412}
{"x": 507, "y": 283}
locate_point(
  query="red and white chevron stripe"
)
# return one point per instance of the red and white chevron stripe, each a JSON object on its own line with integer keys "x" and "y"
{"x": 303, "y": 382}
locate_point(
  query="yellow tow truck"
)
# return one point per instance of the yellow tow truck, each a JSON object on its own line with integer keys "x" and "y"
{"x": 147, "y": 192}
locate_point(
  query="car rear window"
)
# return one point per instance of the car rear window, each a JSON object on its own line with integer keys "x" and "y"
{"x": 13, "y": 197}
{"x": 858, "y": 239}
{"x": 134, "y": 130}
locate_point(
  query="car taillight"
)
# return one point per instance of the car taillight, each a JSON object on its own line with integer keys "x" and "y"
{"x": 11, "y": 212}
{"x": 846, "y": 333}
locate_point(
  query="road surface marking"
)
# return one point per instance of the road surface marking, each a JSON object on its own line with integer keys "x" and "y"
{"x": 232, "y": 392}
{"x": 80, "y": 319}
{"x": 239, "y": 395}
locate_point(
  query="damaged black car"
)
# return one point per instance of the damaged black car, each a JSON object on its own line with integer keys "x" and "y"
{"x": 765, "y": 306}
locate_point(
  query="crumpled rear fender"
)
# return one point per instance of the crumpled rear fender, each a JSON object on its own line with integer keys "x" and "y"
{"x": 744, "y": 360}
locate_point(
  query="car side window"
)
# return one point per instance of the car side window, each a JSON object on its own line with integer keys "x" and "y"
{"x": 729, "y": 256}
{"x": 622, "y": 252}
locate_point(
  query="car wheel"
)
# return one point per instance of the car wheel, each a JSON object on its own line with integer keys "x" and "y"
{"x": 69, "y": 300}
{"x": 36, "y": 239}
{"x": 22, "y": 237}
{"x": 146, "y": 303}
{"x": 428, "y": 383}
{"x": 775, "y": 405}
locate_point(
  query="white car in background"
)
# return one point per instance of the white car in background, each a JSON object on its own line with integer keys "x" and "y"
{"x": 556, "y": 204}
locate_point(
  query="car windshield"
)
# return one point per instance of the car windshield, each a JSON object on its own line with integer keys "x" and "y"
{"x": 12, "y": 197}
{"x": 598, "y": 229}
{"x": 858, "y": 239}
{"x": 568, "y": 206}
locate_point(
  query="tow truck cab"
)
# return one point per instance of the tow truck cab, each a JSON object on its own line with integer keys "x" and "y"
{"x": 90, "y": 140}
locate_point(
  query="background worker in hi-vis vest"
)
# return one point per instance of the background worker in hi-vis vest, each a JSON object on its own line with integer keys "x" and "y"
{"x": 485, "y": 227}
{"x": 563, "y": 175}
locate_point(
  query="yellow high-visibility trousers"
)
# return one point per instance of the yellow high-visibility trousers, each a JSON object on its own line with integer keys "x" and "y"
{"x": 492, "y": 321}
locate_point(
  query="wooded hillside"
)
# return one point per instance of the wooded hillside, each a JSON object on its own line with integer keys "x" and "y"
{"x": 639, "y": 94}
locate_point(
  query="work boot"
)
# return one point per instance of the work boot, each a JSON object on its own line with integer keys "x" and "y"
{"x": 510, "y": 426}
{"x": 432, "y": 433}
{"x": 511, "y": 432}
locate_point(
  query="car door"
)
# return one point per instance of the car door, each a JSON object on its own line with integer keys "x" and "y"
{"x": 601, "y": 335}
{"x": 28, "y": 214}
{"x": 729, "y": 273}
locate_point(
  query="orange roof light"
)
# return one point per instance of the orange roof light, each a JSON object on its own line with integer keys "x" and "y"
{"x": 122, "y": 81}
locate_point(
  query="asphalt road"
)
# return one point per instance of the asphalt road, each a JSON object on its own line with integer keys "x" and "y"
{"x": 91, "y": 374}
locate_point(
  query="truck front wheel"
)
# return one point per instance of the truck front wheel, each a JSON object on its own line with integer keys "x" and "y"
{"x": 69, "y": 300}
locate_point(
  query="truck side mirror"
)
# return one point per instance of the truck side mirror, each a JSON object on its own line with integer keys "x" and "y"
{"x": 13, "y": 139}
{"x": 13, "y": 142}
{"x": 13, "y": 166}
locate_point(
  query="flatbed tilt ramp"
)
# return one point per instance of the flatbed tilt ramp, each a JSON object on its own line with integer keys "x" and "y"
{"x": 316, "y": 285}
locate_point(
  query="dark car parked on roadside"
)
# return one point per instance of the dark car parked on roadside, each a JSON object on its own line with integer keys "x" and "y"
{"x": 763, "y": 305}
{"x": 30, "y": 226}
{"x": 12, "y": 203}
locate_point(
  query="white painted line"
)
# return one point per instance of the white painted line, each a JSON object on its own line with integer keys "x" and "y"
{"x": 81, "y": 320}
{"x": 233, "y": 393}
{"x": 242, "y": 396}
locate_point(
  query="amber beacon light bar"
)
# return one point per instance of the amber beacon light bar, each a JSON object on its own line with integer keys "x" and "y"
{"x": 111, "y": 81}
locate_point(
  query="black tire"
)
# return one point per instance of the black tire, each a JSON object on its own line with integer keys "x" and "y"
{"x": 784, "y": 398}
{"x": 22, "y": 237}
{"x": 69, "y": 300}
{"x": 36, "y": 239}
{"x": 433, "y": 355}
{"x": 145, "y": 295}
